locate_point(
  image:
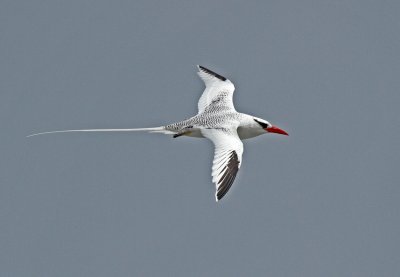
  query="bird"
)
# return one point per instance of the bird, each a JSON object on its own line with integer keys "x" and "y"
{"x": 216, "y": 120}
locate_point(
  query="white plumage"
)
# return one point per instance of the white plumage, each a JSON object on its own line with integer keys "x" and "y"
{"x": 216, "y": 120}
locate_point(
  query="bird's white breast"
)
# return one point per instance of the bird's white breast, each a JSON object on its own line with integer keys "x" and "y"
{"x": 246, "y": 132}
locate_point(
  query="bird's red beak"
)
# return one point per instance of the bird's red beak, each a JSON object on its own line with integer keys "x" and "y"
{"x": 274, "y": 129}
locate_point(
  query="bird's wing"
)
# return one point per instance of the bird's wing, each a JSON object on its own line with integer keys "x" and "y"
{"x": 217, "y": 88}
{"x": 227, "y": 158}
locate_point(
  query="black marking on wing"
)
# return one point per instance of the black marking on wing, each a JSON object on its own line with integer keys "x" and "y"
{"x": 264, "y": 125}
{"x": 183, "y": 131}
{"x": 227, "y": 178}
{"x": 206, "y": 70}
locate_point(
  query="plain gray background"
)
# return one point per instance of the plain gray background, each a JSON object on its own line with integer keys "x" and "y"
{"x": 322, "y": 202}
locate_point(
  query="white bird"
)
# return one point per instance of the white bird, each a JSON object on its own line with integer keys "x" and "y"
{"x": 216, "y": 120}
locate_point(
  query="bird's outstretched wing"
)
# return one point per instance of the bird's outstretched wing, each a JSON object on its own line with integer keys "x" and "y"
{"x": 227, "y": 158}
{"x": 217, "y": 88}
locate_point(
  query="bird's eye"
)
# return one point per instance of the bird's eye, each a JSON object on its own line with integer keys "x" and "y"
{"x": 263, "y": 125}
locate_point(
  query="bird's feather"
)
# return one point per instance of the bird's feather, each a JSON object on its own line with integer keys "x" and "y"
{"x": 216, "y": 86}
{"x": 227, "y": 158}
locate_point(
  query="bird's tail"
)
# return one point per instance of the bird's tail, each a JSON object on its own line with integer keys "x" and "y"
{"x": 151, "y": 130}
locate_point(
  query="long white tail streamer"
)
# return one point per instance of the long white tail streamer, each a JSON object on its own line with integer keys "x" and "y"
{"x": 152, "y": 130}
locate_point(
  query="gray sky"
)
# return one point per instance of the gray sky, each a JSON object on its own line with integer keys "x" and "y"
{"x": 322, "y": 202}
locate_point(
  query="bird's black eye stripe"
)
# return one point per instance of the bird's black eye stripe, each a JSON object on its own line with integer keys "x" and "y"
{"x": 264, "y": 125}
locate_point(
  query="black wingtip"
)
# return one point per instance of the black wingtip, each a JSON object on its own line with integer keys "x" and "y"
{"x": 216, "y": 75}
{"x": 229, "y": 176}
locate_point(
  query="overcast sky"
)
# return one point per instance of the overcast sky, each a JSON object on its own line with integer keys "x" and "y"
{"x": 324, "y": 201}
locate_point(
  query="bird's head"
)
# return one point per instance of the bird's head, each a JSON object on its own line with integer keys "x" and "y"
{"x": 269, "y": 128}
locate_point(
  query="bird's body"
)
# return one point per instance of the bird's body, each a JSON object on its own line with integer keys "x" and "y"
{"x": 218, "y": 121}
{"x": 193, "y": 126}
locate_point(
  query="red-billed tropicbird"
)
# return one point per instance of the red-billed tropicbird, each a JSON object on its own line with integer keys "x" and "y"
{"x": 216, "y": 120}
